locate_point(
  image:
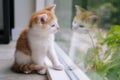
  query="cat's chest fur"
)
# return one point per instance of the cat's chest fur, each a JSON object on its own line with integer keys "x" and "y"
{"x": 82, "y": 42}
{"x": 39, "y": 42}
{"x": 84, "y": 38}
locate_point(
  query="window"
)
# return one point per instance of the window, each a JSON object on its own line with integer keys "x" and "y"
{"x": 88, "y": 42}
{"x": 95, "y": 50}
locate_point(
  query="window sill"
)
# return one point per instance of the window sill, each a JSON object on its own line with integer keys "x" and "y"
{"x": 71, "y": 71}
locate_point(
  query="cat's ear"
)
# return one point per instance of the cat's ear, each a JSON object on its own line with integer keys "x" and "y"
{"x": 42, "y": 18}
{"x": 93, "y": 18}
{"x": 51, "y": 8}
{"x": 79, "y": 9}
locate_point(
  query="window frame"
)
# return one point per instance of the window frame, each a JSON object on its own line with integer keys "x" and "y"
{"x": 6, "y": 37}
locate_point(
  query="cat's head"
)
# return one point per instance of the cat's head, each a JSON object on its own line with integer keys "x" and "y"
{"x": 44, "y": 21}
{"x": 83, "y": 20}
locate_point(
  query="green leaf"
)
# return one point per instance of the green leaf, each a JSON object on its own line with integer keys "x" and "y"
{"x": 113, "y": 36}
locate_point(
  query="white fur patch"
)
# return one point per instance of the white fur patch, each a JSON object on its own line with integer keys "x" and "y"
{"x": 21, "y": 58}
{"x": 80, "y": 43}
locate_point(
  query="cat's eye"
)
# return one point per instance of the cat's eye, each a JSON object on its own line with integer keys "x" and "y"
{"x": 53, "y": 25}
{"x": 81, "y": 26}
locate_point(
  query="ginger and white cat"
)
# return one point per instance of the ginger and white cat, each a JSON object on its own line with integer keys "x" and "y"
{"x": 84, "y": 31}
{"x": 37, "y": 42}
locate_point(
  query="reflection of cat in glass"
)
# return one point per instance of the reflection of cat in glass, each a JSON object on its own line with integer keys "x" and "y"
{"x": 84, "y": 28}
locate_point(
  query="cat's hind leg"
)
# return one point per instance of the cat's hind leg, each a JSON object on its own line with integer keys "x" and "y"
{"x": 22, "y": 62}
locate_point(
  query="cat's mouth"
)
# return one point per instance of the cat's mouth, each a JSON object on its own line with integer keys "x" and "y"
{"x": 56, "y": 30}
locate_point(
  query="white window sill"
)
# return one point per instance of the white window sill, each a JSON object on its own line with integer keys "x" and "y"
{"x": 71, "y": 71}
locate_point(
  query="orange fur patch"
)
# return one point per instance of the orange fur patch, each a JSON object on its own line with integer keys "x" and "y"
{"x": 34, "y": 17}
{"x": 22, "y": 43}
{"x": 27, "y": 67}
{"x": 43, "y": 26}
{"x": 84, "y": 16}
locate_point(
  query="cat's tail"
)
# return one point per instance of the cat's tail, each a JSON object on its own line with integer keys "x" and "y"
{"x": 27, "y": 67}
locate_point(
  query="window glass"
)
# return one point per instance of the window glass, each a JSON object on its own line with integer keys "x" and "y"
{"x": 64, "y": 14}
{"x": 90, "y": 35}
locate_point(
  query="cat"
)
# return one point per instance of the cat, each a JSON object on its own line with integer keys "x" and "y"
{"x": 37, "y": 42}
{"x": 84, "y": 28}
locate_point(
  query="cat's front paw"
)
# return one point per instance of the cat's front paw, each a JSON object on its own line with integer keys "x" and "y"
{"x": 43, "y": 71}
{"x": 58, "y": 67}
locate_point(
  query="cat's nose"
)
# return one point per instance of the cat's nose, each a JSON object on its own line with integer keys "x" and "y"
{"x": 58, "y": 27}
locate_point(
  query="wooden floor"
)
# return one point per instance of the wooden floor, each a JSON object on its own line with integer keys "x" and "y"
{"x": 6, "y": 60}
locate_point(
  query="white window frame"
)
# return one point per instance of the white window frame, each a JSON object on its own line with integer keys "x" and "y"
{"x": 71, "y": 71}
